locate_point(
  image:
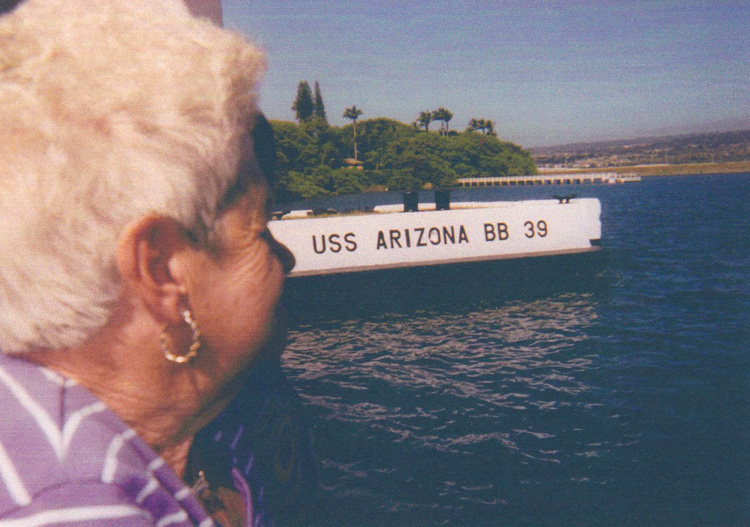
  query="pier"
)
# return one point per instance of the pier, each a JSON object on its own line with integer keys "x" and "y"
{"x": 589, "y": 178}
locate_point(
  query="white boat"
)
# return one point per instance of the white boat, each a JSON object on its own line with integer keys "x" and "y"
{"x": 389, "y": 238}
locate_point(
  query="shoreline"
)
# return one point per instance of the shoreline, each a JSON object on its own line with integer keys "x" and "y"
{"x": 662, "y": 170}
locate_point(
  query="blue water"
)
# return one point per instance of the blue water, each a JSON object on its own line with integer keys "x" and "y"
{"x": 617, "y": 400}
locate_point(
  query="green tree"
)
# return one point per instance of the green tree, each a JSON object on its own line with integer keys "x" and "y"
{"x": 382, "y": 140}
{"x": 474, "y": 125}
{"x": 424, "y": 120}
{"x": 319, "y": 109}
{"x": 298, "y": 185}
{"x": 444, "y": 116}
{"x": 396, "y": 155}
{"x": 489, "y": 128}
{"x": 486, "y": 126}
{"x": 303, "y": 103}
{"x": 346, "y": 181}
{"x": 353, "y": 113}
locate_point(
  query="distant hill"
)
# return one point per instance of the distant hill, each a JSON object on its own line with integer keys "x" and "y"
{"x": 715, "y": 147}
{"x": 314, "y": 159}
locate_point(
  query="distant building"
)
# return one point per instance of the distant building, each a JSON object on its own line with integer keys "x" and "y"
{"x": 354, "y": 163}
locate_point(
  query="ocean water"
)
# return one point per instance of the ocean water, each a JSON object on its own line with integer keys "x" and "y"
{"x": 616, "y": 397}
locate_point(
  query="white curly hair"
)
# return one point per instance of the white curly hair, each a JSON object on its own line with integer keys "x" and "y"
{"x": 109, "y": 111}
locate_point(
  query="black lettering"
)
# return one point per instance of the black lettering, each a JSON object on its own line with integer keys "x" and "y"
{"x": 529, "y": 229}
{"x": 449, "y": 234}
{"x": 539, "y": 229}
{"x": 395, "y": 238}
{"x": 492, "y": 233}
{"x": 420, "y": 243}
{"x": 462, "y": 236}
{"x": 381, "y": 241}
{"x": 434, "y": 240}
{"x": 408, "y": 239}
{"x": 489, "y": 232}
{"x": 333, "y": 239}
{"x": 322, "y": 243}
{"x": 351, "y": 243}
{"x": 502, "y": 231}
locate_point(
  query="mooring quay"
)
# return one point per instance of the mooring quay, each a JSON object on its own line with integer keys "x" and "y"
{"x": 549, "y": 179}
{"x": 391, "y": 237}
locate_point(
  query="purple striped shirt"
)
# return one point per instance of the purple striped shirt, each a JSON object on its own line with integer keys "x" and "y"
{"x": 66, "y": 459}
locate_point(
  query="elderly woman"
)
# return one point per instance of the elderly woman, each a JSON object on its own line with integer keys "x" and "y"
{"x": 138, "y": 280}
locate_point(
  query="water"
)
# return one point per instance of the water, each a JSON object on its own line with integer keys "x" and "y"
{"x": 618, "y": 399}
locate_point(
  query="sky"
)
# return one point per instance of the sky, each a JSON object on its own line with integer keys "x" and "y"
{"x": 547, "y": 72}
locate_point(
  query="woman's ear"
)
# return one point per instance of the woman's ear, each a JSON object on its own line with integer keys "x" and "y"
{"x": 146, "y": 257}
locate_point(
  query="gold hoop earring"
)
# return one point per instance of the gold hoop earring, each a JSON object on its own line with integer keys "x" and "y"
{"x": 167, "y": 343}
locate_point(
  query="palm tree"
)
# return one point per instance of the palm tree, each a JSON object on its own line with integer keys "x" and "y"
{"x": 441, "y": 114}
{"x": 489, "y": 127}
{"x": 437, "y": 115}
{"x": 424, "y": 120}
{"x": 353, "y": 113}
{"x": 474, "y": 125}
{"x": 486, "y": 126}
{"x": 447, "y": 116}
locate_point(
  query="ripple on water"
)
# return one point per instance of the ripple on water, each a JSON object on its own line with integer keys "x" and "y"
{"x": 620, "y": 402}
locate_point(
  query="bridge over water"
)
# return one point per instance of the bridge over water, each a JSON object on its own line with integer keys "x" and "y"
{"x": 550, "y": 179}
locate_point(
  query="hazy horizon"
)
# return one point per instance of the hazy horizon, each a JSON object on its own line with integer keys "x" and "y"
{"x": 547, "y": 72}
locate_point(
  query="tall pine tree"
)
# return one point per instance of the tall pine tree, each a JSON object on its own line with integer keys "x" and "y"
{"x": 319, "y": 109}
{"x": 303, "y": 104}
